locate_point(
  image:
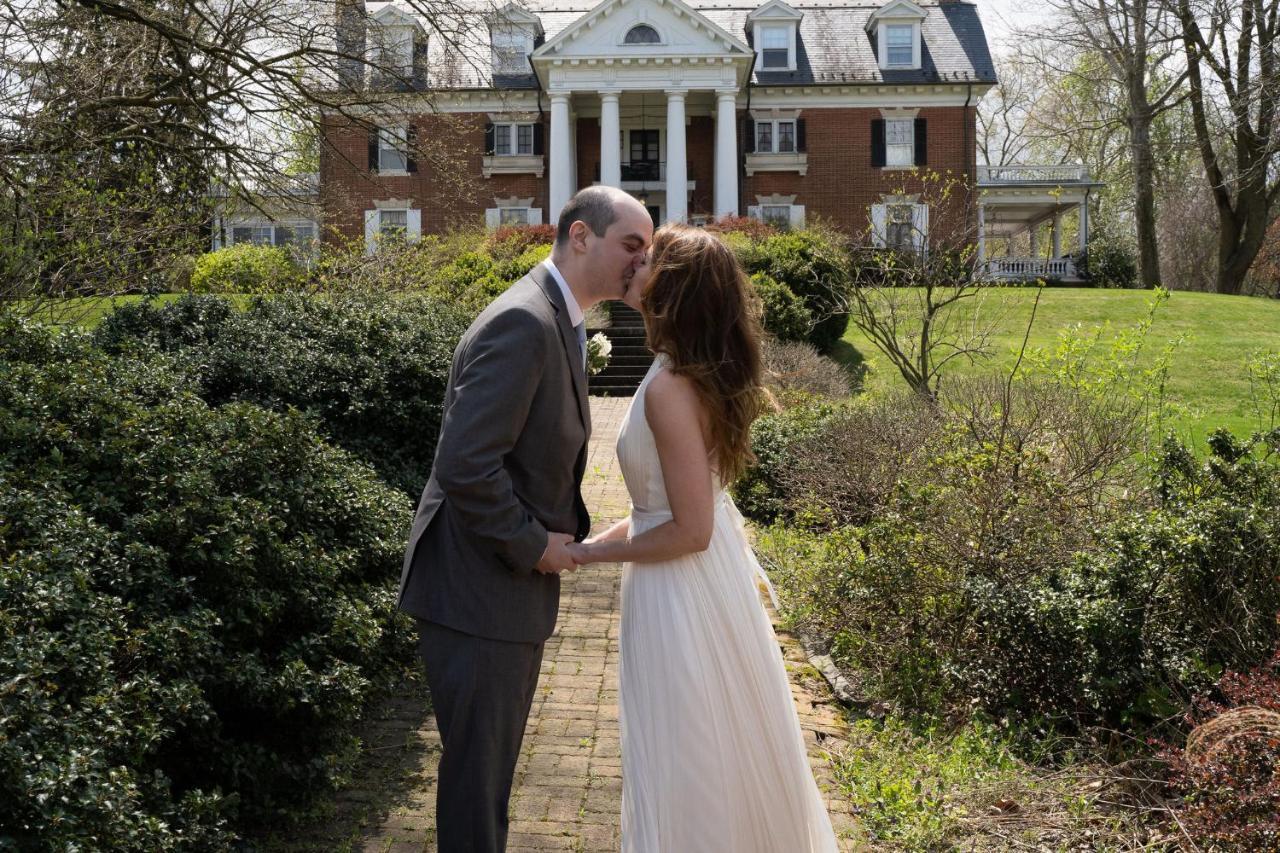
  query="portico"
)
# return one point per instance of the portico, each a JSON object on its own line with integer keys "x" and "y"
{"x": 644, "y": 71}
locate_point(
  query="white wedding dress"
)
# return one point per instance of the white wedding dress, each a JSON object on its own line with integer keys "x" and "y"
{"x": 713, "y": 760}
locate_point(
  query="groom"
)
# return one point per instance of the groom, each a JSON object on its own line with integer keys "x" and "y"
{"x": 481, "y": 573}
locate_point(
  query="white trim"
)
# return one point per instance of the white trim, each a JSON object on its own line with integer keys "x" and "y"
{"x": 513, "y": 164}
{"x": 608, "y": 7}
{"x": 774, "y": 135}
{"x": 757, "y": 37}
{"x": 882, "y": 45}
{"x": 622, "y": 37}
{"x": 797, "y": 162}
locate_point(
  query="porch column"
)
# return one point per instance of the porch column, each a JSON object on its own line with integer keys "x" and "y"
{"x": 726, "y": 195}
{"x": 1057, "y": 234}
{"x": 677, "y": 171}
{"x": 982, "y": 236}
{"x": 1084, "y": 224}
{"x": 1034, "y": 239}
{"x": 561, "y": 154}
{"x": 610, "y": 134}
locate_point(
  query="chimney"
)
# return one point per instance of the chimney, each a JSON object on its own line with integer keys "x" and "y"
{"x": 351, "y": 26}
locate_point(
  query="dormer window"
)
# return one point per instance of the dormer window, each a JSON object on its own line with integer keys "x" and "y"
{"x": 775, "y": 47}
{"x": 775, "y": 29}
{"x": 513, "y": 35}
{"x": 642, "y": 34}
{"x": 899, "y": 48}
{"x": 896, "y": 29}
{"x": 395, "y": 37}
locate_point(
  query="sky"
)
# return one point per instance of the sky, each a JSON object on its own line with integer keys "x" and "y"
{"x": 1001, "y": 17}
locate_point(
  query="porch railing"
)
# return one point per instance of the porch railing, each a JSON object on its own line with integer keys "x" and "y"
{"x": 1069, "y": 173}
{"x": 1028, "y": 269}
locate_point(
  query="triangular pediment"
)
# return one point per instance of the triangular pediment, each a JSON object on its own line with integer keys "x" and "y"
{"x": 392, "y": 16}
{"x": 775, "y": 10}
{"x": 898, "y": 10}
{"x": 681, "y": 30}
{"x": 514, "y": 13}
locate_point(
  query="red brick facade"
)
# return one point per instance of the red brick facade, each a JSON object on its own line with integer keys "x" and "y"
{"x": 450, "y": 190}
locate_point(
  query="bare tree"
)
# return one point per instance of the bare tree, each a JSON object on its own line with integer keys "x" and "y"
{"x": 1234, "y": 74}
{"x": 121, "y": 120}
{"x": 1135, "y": 43}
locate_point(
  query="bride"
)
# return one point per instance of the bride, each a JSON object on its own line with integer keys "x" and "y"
{"x": 712, "y": 755}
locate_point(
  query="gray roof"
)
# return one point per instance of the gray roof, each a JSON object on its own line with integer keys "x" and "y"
{"x": 833, "y": 46}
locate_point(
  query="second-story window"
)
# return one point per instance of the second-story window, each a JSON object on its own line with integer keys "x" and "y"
{"x": 393, "y": 149}
{"x": 775, "y": 47}
{"x": 512, "y": 138}
{"x": 899, "y": 142}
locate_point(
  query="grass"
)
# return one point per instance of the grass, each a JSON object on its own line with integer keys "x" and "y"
{"x": 1208, "y": 369}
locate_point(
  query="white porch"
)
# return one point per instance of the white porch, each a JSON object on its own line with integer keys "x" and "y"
{"x": 1040, "y": 202}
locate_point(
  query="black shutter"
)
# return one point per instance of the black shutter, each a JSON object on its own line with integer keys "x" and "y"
{"x": 800, "y": 140}
{"x": 922, "y": 142}
{"x": 373, "y": 150}
{"x": 537, "y": 138}
{"x": 877, "y": 143}
{"x": 488, "y": 138}
{"x": 748, "y": 136}
{"x": 411, "y": 139}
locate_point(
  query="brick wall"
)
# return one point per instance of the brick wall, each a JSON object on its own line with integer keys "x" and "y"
{"x": 448, "y": 187}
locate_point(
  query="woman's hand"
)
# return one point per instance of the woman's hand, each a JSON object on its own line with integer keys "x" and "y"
{"x": 581, "y": 552}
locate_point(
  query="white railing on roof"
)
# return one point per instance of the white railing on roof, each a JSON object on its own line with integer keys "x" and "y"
{"x": 1068, "y": 173}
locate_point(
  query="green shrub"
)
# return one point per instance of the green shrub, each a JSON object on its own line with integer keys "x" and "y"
{"x": 1111, "y": 261}
{"x": 785, "y": 316}
{"x": 758, "y": 492}
{"x": 814, "y": 266}
{"x": 245, "y": 268}
{"x": 195, "y": 605}
{"x": 370, "y": 369}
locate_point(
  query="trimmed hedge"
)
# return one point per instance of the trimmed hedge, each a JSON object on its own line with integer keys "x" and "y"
{"x": 195, "y": 603}
{"x": 245, "y": 268}
{"x": 371, "y": 369}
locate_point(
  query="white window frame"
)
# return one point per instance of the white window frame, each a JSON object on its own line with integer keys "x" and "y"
{"x": 272, "y": 232}
{"x": 900, "y": 154}
{"x": 758, "y": 38}
{"x": 622, "y": 40}
{"x": 393, "y": 139}
{"x": 770, "y": 210}
{"x": 882, "y": 40}
{"x": 513, "y": 138}
{"x": 504, "y": 209}
{"x": 775, "y": 136}
{"x": 394, "y": 45}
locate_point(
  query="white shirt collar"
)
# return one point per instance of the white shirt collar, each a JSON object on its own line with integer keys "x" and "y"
{"x": 575, "y": 312}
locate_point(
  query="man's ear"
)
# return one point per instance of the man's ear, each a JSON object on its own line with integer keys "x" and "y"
{"x": 578, "y": 232}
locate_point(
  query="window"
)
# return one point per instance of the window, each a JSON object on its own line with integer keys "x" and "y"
{"x": 777, "y": 215}
{"x": 267, "y": 234}
{"x": 899, "y": 46}
{"x": 393, "y": 224}
{"x": 899, "y": 142}
{"x": 511, "y": 139}
{"x": 900, "y": 227}
{"x": 513, "y": 216}
{"x": 393, "y": 149}
{"x": 775, "y": 47}
{"x": 776, "y": 137}
{"x": 642, "y": 34}
{"x": 510, "y": 47}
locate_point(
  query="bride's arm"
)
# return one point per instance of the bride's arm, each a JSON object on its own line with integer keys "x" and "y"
{"x": 676, "y": 417}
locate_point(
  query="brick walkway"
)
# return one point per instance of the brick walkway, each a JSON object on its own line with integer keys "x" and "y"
{"x": 568, "y": 784}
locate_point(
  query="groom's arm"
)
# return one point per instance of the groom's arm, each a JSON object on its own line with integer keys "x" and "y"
{"x": 494, "y": 384}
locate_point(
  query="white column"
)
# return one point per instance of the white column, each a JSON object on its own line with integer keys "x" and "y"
{"x": 677, "y": 171}
{"x": 561, "y": 153}
{"x": 726, "y": 186}
{"x": 1033, "y": 234}
{"x": 982, "y": 235}
{"x": 1084, "y": 225}
{"x": 610, "y": 136}
{"x": 1057, "y": 234}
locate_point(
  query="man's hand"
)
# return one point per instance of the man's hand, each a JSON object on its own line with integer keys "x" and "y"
{"x": 556, "y": 558}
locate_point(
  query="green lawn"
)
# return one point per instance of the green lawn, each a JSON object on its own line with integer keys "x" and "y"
{"x": 1207, "y": 372}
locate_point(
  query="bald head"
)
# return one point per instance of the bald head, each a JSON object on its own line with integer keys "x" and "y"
{"x": 597, "y": 207}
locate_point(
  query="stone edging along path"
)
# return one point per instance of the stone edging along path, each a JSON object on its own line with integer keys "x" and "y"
{"x": 568, "y": 783}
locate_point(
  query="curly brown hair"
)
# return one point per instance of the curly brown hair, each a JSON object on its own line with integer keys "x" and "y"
{"x": 700, "y": 311}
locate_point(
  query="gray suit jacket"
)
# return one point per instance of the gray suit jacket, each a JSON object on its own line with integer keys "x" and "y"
{"x": 508, "y": 469}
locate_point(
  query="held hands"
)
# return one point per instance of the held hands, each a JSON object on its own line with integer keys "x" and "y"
{"x": 557, "y": 557}
{"x": 581, "y": 552}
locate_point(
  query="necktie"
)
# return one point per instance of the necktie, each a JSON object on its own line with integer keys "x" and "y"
{"x": 581, "y": 331}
